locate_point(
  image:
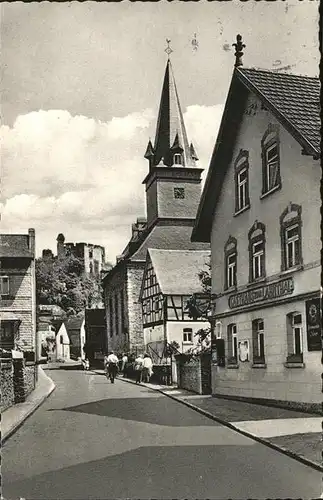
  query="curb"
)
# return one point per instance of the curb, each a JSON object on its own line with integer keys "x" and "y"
{"x": 209, "y": 415}
{"x": 30, "y": 412}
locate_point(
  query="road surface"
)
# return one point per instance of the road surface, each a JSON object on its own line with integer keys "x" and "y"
{"x": 95, "y": 440}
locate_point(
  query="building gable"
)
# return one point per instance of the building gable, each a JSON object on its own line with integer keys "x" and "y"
{"x": 298, "y": 115}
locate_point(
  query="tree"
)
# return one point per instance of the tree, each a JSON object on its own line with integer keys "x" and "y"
{"x": 199, "y": 306}
{"x": 63, "y": 282}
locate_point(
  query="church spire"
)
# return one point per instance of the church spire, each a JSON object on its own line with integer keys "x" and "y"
{"x": 170, "y": 127}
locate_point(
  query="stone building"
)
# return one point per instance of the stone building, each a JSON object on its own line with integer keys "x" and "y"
{"x": 92, "y": 256}
{"x": 18, "y": 291}
{"x": 18, "y": 339}
{"x": 260, "y": 209}
{"x": 173, "y": 190}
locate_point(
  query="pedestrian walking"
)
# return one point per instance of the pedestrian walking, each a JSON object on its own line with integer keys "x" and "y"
{"x": 138, "y": 368}
{"x": 111, "y": 366}
{"x": 147, "y": 368}
{"x": 124, "y": 362}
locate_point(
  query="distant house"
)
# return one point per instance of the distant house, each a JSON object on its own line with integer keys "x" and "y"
{"x": 170, "y": 278}
{"x": 75, "y": 327}
{"x": 260, "y": 209}
{"x": 62, "y": 344}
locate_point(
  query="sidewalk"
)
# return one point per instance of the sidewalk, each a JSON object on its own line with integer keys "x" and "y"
{"x": 14, "y": 417}
{"x": 294, "y": 433}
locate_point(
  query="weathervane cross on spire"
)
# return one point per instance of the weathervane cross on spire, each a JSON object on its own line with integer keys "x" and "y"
{"x": 168, "y": 50}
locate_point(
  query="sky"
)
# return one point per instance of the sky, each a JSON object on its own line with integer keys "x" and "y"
{"x": 81, "y": 85}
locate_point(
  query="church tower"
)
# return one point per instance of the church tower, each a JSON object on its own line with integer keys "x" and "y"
{"x": 173, "y": 183}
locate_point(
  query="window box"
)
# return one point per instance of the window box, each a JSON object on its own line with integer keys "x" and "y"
{"x": 294, "y": 358}
{"x": 29, "y": 356}
{"x": 271, "y": 191}
{"x": 259, "y": 365}
{"x": 238, "y": 212}
{"x": 258, "y": 360}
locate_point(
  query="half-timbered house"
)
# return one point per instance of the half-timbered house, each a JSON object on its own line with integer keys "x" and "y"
{"x": 170, "y": 278}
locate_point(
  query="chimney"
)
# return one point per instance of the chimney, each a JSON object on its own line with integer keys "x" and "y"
{"x": 31, "y": 240}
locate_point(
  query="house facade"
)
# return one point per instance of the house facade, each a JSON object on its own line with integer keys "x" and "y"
{"x": 18, "y": 338}
{"x": 260, "y": 210}
{"x": 18, "y": 291}
{"x": 170, "y": 278}
{"x": 173, "y": 190}
{"x": 75, "y": 327}
{"x": 62, "y": 344}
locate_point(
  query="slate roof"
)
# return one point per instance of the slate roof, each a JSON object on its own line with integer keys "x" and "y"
{"x": 177, "y": 270}
{"x": 295, "y": 97}
{"x": 15, "y": 245}
{"x": 170, "y": 123}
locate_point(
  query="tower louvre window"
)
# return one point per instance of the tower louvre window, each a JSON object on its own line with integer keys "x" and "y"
{"x": 178, "y": 159}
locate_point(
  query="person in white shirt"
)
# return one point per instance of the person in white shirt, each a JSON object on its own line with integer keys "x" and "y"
{"x": 138, "y": 368}
{"x": 147, "y": 368}
{"x": 111, "y": 366}
{"x": 124, "y": 361}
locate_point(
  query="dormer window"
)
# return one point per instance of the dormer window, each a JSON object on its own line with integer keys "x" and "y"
{"x": 177, "y": 159}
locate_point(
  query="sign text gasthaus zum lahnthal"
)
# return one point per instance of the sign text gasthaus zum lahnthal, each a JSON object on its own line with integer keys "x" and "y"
{"x": 265, "y": 292}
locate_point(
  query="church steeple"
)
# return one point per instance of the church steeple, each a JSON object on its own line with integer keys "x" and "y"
{"x": 173, "y": 182}
{"x": 171, "y": 130}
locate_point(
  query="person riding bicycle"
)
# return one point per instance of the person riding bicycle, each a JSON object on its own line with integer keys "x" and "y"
{"x": 111, "y": 366}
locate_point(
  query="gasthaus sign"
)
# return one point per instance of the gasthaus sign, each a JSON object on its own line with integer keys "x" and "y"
{"x": 262, "y": 293}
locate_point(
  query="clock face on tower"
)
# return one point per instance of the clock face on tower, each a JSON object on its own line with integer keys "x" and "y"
{"x": 179, "y": 193}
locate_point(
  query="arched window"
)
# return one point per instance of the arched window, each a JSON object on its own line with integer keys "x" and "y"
{"x": 241, "y": 180}
{"x": 257, "y": 240}
{"x": 270, "y": 160}
{"x": 291, "y": 237}
{"x": 230, "y": 263}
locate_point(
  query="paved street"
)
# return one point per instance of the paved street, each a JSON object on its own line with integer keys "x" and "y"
{"x": 93, "y": 440}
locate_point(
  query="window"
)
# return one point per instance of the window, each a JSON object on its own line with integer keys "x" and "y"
{"x": 61, "y": 339}
{"x": 258, "y": 341}
{"x": 290, "y": 230}
{"x": 7, "y": 332}
{"x": 241, "y": 169}
{"x": 232, "y": 343}
{"x": 4, "y": 285}
{"x": 270, "y": 160}
{"x": 91, "y": 254}
{"x": 179, "y": 193}
{"x": 230, "y": 259}
{"x": 188, "y": 335}
{"x": 257, "y": 252}
{"x": 96, "y": 267}
{"x": 91, "y": 268}
{"x": 295, "y": 337}
{"x": 177, "y": 159}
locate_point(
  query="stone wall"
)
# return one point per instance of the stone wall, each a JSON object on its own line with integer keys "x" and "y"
{"x": 136, "y": 331}
{"x": 17, "y": 382}
{"x": 189, "y": 376}
{"x": 7, "y": 392}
